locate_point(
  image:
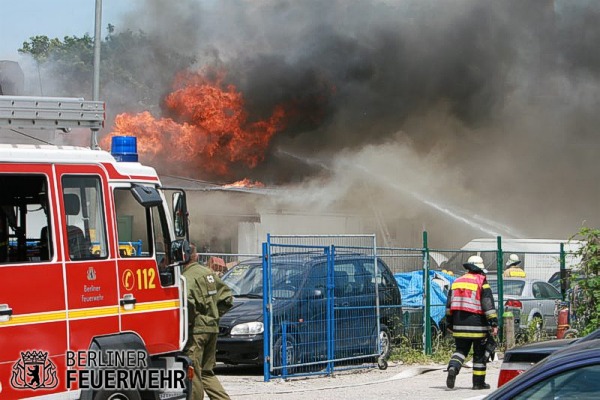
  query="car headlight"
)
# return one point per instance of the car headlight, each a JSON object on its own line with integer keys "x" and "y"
{"x": 249, "y": 328}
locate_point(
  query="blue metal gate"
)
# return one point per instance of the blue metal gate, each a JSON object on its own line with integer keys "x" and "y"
{"x": 322, "y": 308}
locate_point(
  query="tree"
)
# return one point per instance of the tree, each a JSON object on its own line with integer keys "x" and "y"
{"x": 134, "y": 73}
{"x": 586, "y": 281}
{"x": 69, "y": 62}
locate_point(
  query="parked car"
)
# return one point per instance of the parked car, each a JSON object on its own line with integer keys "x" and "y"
{"x": 528, "y": 299}
{"x": 519, "y": 359}
{"x": 299, "y": 289}
{"x": 570, "y": 373}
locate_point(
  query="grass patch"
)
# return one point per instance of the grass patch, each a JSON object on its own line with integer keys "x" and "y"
{"x": 407, "y": 352}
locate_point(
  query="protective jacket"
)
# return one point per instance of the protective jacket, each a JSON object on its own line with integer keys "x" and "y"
{"x": 470, "y": 309}
{"x": 514, "y": 272}
{"x": 208, "y": 299}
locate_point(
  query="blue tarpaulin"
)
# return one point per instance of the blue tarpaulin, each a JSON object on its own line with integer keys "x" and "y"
{"x": 411, "y": 288}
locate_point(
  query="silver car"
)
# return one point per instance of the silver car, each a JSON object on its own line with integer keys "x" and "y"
{"x": 529, "y": 299}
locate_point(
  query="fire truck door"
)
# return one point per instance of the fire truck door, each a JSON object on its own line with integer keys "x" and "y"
{"x": 32, "y": 299}
{"x": 92, "y": 287}
{"x": 150, "y": 306}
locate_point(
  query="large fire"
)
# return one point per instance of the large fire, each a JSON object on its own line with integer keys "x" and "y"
{"x": 208, "y": 134}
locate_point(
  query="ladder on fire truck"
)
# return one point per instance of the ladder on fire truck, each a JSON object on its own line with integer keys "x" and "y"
{"x": 58, "y": 113}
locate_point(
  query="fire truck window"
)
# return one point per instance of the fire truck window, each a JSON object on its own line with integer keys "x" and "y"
{"x": 160, "y": 243}
{"x": 84, "y": 217}
{"x": 134, "y": 225}
{"x": 24, "y": 212}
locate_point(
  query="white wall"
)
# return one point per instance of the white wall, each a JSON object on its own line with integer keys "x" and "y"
{"x": 251, "y": 235}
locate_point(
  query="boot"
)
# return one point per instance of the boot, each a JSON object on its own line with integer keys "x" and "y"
{"x": 481, "y": 386}
{"x": 451, "y": 377}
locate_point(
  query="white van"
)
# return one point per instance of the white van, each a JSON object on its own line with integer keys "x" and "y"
{"x": 540, "y": 258}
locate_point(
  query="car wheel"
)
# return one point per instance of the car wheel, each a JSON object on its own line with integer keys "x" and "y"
{"x": 385, "y": 342}
{"x": 291, "y": 353}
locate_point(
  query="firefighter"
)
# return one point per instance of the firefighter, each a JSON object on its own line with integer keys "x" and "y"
{"x": 208, "y": 299}
{"x": 471, "y": 316}
{"x": 513, "y": 270}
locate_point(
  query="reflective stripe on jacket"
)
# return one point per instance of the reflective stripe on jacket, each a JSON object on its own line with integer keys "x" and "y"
{"x": 466, "y": 293}
{"x": 514, "y": 272}
{"x": 461, "y": 320}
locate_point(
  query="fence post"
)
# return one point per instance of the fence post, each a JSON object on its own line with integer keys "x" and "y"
{"x": 266, "y": 311}
{"x": 509, "y": 329}
{"x": 500, "y": 275}
{"x": 563, "y": 272}
{"x": 426, "y": 290}
{"x": 330, "y": 322}
{"x": 284, "y": 372}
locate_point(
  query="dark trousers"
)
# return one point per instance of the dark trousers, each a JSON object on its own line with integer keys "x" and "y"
{"x": 463, "y": 347}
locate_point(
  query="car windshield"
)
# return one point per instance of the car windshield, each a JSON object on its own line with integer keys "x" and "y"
{"x": 511, "y": 288}
{"x": 245, "y": 280}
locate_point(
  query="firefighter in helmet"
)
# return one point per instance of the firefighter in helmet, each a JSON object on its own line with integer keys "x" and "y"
{"x": 471, "y": 316}
{"x": 513, "y": 269}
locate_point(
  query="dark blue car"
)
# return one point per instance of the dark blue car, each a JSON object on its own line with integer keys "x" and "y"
{"x": 299, "y": 308}
{"x": 570, "y": 373}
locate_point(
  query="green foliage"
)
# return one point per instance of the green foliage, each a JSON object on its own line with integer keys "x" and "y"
{"x": 442, "y": 349}
{"x": 70, "y": 61}
{"x": 40, "y": 47}
{"x": 134, "y": 68}
{"x": 585, "y": 283}
{"x": 533, "y": 333}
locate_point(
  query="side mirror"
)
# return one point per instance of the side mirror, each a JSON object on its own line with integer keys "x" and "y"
{"x": 180, "y": 251}
{"x": 167, "y": 276}
{"x": 147, "y": 196}
{"x": 180, "y": 214}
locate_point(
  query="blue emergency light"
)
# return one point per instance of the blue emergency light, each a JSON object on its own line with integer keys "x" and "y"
{"x": 124, "y": 148}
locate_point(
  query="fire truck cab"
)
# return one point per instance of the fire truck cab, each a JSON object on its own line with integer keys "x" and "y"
{"x": 90, "y": 253}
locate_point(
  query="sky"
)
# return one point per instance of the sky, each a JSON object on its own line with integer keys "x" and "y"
{"x": 23, "y": 19}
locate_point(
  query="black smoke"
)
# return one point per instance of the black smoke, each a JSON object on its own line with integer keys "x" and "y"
{"x": 489, "y": 106}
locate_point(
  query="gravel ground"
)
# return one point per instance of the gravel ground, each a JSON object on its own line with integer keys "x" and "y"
{"x": 397, "y": 382}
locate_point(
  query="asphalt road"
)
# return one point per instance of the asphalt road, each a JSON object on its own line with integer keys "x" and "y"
{"x": 423, "y": 382}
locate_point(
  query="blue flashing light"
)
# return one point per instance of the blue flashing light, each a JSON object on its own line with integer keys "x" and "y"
{"x": 124, "y": 148}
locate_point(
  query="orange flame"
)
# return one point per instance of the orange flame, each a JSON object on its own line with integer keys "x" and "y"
{"x": 245, "y": 183}
{"x": 209, "y": 132}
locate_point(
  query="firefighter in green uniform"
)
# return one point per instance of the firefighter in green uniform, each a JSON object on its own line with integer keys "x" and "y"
{"x": 208, "y": 299}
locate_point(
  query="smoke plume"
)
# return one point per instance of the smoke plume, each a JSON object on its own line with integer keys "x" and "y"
{"x": 428, "y": 111}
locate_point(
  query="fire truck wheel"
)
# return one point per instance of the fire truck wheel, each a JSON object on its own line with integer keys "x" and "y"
{"x": 118, "y": 395}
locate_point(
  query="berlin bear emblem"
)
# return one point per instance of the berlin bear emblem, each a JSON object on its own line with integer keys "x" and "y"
{"x": 34, "y": 371}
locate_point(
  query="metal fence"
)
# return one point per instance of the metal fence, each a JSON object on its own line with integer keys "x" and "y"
{"x": 323, "y": 313}
{"x": 407, "y": 266}
{"x": 534, "y": 302}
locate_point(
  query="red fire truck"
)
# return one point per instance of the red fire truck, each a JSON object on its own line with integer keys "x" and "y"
{"x": 92, "y": 303}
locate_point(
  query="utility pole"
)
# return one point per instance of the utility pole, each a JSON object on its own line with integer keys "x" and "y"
{"x": 96, "y": 85}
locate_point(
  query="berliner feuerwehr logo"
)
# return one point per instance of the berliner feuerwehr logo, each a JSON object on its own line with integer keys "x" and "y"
{"x": 34, "y": 371}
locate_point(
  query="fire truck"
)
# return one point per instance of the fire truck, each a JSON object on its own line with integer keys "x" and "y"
{"x": 92, "y": 300}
